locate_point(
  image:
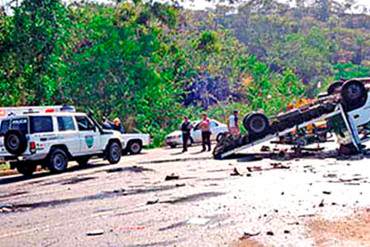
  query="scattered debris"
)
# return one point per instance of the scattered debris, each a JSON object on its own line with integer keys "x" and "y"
{"x": 172, "y": 177}
{"x": 95, "y": 232}
{"x": 247, "y": 235}
{"x": 321, "y": 203}
{"x": 270, "y": 233}
{"x": 179, "y": 185}
{"x": 235, "y": 172}
{"x": 152, "y": 202}
{"x": 249, "y": 175}
{"x": 326, "y": 192}
{"x": 6, "y": 208}
{"x": 282, "y": 193}
{"x": 265, "y": 149}
{"x": 279, "y": 166}
{"x": 286, "y": 231}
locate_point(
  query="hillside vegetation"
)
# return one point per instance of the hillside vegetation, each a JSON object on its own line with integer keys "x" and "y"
{"x": 150, "y": 63}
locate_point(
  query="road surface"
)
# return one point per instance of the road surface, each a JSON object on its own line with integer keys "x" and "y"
{"x": 310, "y": 201}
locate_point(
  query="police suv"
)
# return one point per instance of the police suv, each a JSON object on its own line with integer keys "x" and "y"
{"x": 53, "y": 138}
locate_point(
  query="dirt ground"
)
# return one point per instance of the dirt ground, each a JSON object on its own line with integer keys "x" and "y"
{"x": 165, "y": 198}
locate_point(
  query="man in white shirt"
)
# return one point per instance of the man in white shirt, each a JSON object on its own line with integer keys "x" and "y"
{"x": 233, "y": 124}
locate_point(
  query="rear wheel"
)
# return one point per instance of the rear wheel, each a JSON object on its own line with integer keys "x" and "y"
{"x": 257, "y": 124}
{"x": 26, "y": 168}
{"x": 57, "y": 161}
{"x": 135, "y": 147}
{"x": 113, "y": 153}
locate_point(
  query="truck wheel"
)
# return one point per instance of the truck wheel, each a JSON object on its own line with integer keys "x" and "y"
{"x": 173, "y": 145}
{"x": 220, "y": 137}
{"x": 113, "y": 153}
{"x": 353, "y": 94}
{"x": 257, "y": 124}
{"x": 57, "y": 160}
{"x": 83, "y": 161}
{"x": 334, "y": 87}
{"x": 26, "y": 168}
{"x": 135, "y": 147}
{"x": 15, "y": 142}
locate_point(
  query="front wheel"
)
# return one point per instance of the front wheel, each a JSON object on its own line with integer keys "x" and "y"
{"x": 114, "y": 153}
{"x": 57, "y": 161}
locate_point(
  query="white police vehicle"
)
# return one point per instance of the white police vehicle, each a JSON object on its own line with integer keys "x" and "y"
{"x": 52, "y": 139}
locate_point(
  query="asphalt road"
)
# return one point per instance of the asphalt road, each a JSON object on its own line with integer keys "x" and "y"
{"x": 310, "y": 201}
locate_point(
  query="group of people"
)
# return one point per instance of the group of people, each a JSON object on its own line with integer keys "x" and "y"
{"x": 205, "y": 127}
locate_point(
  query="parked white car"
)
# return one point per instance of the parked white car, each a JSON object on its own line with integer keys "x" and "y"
{"x": 53, "y": 139}
{"x": 217, "y": 129}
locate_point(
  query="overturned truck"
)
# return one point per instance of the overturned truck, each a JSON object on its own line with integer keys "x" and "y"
{"x": 345, "y": 106}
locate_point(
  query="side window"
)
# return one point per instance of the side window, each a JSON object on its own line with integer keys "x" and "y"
{"x": 20, "y": 124}
{"x": 84, "y": 124}
{"x": 65, "y": 123}
{"x": 4, "y": 127}
{"x": 41, "y": 124}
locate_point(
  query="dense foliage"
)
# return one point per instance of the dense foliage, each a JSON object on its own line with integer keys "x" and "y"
{"x": 151, "y": 63}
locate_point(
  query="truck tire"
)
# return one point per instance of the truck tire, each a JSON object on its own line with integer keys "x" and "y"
{"x": 57, "y": 160}
{"x": 354, "y": 95}
{"x": 113, "y": 153}
{"x": 220, "y": 137}
{"x": 173, "y": 145}
{"x": 135, "y": 147}
{"x": 26, "y": 168}
{"x": 15, "y": 142}
{"x": 257, "y": 124}
{"x": 334, "y": 87}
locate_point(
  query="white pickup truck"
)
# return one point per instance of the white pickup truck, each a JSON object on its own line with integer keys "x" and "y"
{"x": 134, "y": 142}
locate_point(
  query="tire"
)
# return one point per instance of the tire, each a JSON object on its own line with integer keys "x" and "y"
{"x": 220, "y": 137}
{"x": 113, "y": 153}
{"x": 354, "y": 95}
{"x": 173, "y": 145}
{"x": 334, "y": 87}
{"x": 26, "y": 168}
{"x": 83, "y": 161}
{"x": 15, "y": 142}
{"x": 257, "y": 124}
{"x": 57, "y": 160}
{"x": 135, "y": 147}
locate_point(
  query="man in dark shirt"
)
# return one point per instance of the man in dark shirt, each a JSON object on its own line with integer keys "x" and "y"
{"x": 185, "y": 129}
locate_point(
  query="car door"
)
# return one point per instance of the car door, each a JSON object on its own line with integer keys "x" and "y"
{"x": 89, "y": 135}
{"x": 67, "y": 131}
{"x": 196, "y": 133}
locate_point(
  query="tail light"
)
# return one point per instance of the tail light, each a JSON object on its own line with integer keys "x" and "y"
{"x": 33, "y": 147}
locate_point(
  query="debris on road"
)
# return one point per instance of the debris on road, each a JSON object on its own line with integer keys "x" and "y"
{"x": 321, "y": 203}
{"x": 279, "y": 166}
{"x": 172, "y": 177}
{"x": 286, "y": 231}
{"x": 235, "y": 172}
{"x": 6, "y": 208}
{"x": 152, "y": 202}
{"x": 247, "y": 235}
{"x": 270, "y": 233}
{"x": 265, "y": 149}
{"x": 326, "y": 192}
{"x": 95, "y": 232}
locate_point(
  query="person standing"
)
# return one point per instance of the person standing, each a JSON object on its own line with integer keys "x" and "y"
{"x": 206, "y": 132}
{"x": 233, "y": 124}
{"x": 185, "y": 129}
